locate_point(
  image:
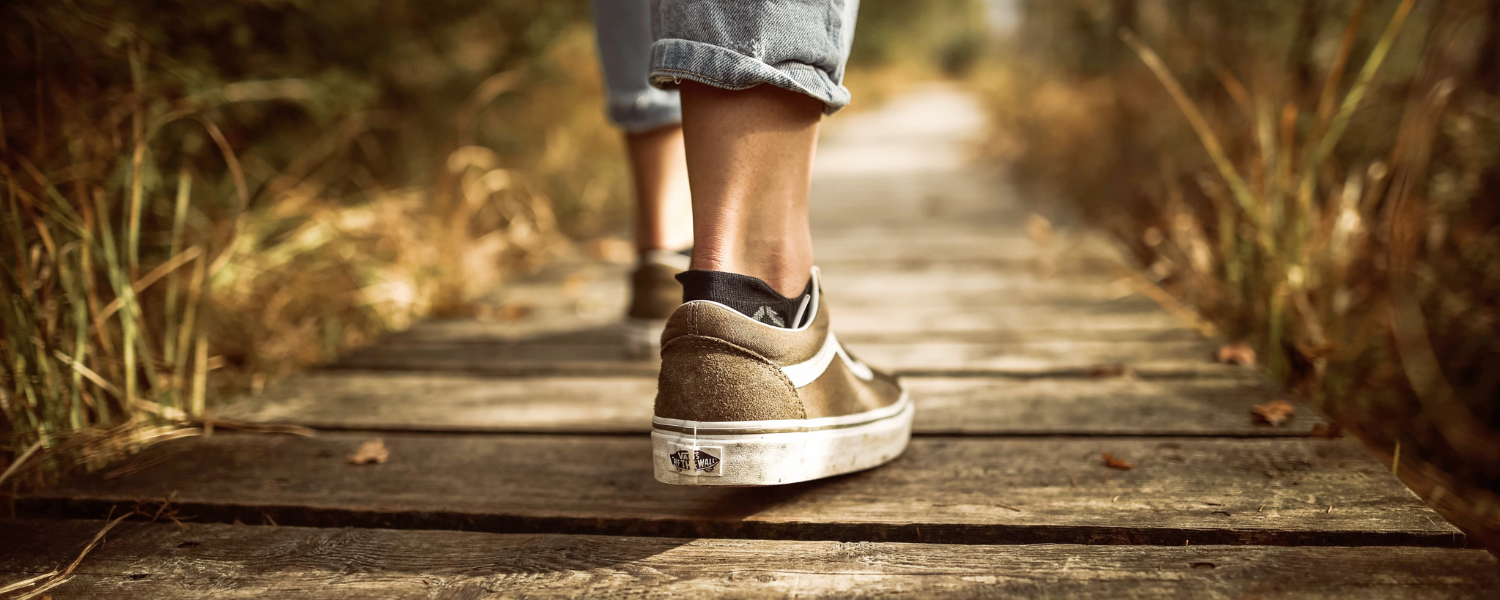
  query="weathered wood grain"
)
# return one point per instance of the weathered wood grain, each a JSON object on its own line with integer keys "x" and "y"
{"x": 952, "y": 490}
{"x": 396, "y": 401}
{"x": 433, "y": 402}
{"x": 914, "y": 240}
{"x": 935, "y": 276}
{"x": 514, "y": 359}
{"x": 609, "y": 332}
{"x": 1079, "y": 318}
{"x": 1075, "y": 318}
{"x": 1123, "y": 407}
{"x": 1054, "y": 357}
{"x": 1043, "y": 356}
{"x": 580, "y": 294}
{"x": 142, "y": 560}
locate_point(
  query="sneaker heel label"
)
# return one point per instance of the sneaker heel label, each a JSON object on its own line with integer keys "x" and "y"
{"x": 701, "y": 460}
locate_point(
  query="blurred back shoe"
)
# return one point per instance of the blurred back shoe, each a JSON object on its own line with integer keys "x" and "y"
{"x": 654, "y": 294}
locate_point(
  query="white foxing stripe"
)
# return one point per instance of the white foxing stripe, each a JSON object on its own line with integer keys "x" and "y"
{"x": 810, "y": 370}
{"x": 716, "y": 427}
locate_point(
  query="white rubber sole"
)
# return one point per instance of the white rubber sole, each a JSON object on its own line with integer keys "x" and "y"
{"x": 752, "y": 453}
{"x": 643, "y": 338}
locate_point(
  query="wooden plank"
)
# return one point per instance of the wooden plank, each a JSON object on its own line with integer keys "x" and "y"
{"x": 865, "y": 298}
{"x": 429, "y": 402}
{"x": 917, "y": 283}
{"x": 523, "y": 359}
{"x": 609, "y": 335}
{"x": 958, "y": 200}
{"x": 142, "y": 560}
{"x": 1056, "y": 356}
{"x": 905, "y": 241}
{"x": 601, "y": 351}
{"x": 1048, "y": 359}
{"x": 1081, "y": 319}
{"x": 1283, "y": 491}
{"x": 576, "y": 332}
{"x": 1076, "y": 270}
{"x": 855, "y": 286}
{"x": 1113, "y": 407}
{"x": 386, "y": 401}
{"x": 1073, "y": 319}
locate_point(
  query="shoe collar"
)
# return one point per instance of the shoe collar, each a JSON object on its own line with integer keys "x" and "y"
{"x": 813, "y": 306}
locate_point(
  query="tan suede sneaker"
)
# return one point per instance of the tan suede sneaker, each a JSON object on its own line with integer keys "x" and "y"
{"x": 654, "y": 294}
{"x": 740, "y": 402}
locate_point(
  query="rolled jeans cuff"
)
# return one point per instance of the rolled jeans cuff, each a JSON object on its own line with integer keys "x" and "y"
{"x": 673, "y": 60}
{"x": 644, "y": 110}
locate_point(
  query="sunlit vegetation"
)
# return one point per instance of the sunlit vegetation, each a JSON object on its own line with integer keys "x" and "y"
{"x": 200, "y": 199}
{"x": 1320, "y": 178}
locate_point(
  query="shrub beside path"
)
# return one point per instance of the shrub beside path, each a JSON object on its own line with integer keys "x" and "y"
{"x": 1073, "y": 439}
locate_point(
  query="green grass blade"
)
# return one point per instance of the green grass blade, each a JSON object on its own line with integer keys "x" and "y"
{"x": 1237, "y": 186}
{"x": 1361, "y": 85}
{"x": 179, "y": 220}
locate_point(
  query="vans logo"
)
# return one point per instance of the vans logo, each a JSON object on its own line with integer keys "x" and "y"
{"x": 703, "y": 461}
{"x": 682, "y": 460}
{"x": 767, "y": 315}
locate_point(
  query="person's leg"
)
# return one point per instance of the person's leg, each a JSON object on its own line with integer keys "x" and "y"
{"x": 754, "y": 387}
{"x": 749, "y": 159}
{"x": 755, "y": 78}
{"x": 658, "y": 169}
{"x": 651, "y": 120}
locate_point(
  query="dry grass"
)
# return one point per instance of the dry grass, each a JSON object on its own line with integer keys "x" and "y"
{"x": 1313, "y": 180}
{"x": 156, "y": 258}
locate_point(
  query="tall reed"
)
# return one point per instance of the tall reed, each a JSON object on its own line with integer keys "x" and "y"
{"x": 1318, "y": 179}
{"x": 172, "y": 236}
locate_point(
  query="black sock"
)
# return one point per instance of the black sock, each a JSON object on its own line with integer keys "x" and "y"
{"x": 751, "y": 296}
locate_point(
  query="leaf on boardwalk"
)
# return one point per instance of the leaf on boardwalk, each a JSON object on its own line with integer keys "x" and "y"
{"x": 1039, "y": 229}
{"x": 1111, "y": 371}
{"x": 372, "y": 451}
{"x": 1273, "y": 413}
{"x": 1328, "y": 432}
{"x": 514, "y": 311}
{"x": 1115, "y": 462}
{"x": 1236, "y": 354}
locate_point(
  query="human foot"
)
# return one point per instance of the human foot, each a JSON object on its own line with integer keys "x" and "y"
{"x": 654, "y": 294}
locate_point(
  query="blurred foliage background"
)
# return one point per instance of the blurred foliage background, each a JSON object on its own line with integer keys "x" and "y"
{"x": 1318, "y": 177}
{"x": 199, "y": 199}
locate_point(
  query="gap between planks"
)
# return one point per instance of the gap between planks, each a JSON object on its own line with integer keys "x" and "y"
{"x": 386, "y": 401}
{"x": 955, "y": 490}
{"x": 246, "y": 561}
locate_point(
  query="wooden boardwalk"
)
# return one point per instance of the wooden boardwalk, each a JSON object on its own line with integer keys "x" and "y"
{"x": 519, "y": 465}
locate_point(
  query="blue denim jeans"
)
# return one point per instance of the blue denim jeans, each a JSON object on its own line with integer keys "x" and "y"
{"x": 624, "y": 31}
{"x": 648, "y": 47}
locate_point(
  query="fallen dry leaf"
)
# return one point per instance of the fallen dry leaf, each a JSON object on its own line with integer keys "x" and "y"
{"x": 1115, "y": 462}
{"x": 514, "y": 311}
{"x": 1328, "y": 432}
{"x": 1273, "y": 413}
{"x": 1111, "y": 371}
{"x": 1039, "y": 229}
{"x": 372, "y": 451}
{"x": 1236, "y": 354}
